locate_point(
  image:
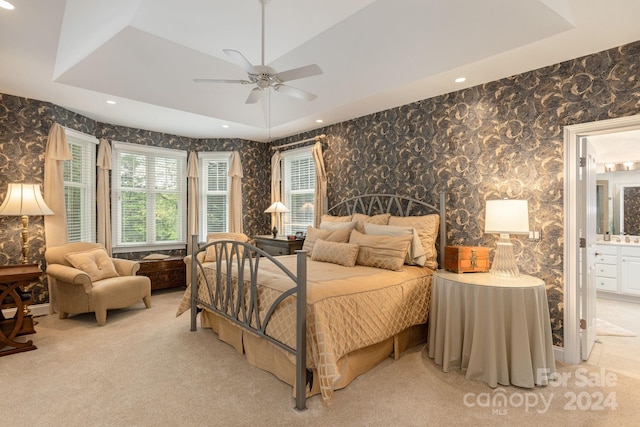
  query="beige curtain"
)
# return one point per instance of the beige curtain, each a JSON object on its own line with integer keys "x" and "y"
{"x": 103, "y": 162}
{"x": 192, "y": 208}
{"x": 275, "y": 184}
{"x": 235, "y": 198}
{"x": 57, "y": 151}
{"x": 320, "y": 195}
{"x": 55, "y": 226}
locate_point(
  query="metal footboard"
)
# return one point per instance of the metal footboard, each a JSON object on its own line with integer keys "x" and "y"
{"x": 240, "y": 306}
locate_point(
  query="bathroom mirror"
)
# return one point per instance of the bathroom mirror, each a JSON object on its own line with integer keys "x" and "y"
{"x": 630, "y": 209}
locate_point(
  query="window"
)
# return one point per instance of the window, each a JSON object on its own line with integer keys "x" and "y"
{"x": 214, "y": 193}
{"x": 298, "y": 188}
{"x": 79, "y": 176}
{"x": 148, "y": 197}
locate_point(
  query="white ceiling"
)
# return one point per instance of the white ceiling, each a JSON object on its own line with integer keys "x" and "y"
{"x": 375, "y": 54}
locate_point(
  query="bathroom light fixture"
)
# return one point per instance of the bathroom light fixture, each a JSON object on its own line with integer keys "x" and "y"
{"x": 319, "y": 121}
{"x": 460, "y": 79}
{"x": 6, "y": 5}
{"x": 504, "y": 217}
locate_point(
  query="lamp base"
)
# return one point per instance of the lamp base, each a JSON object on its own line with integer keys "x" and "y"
{"x": 504, "y": 261}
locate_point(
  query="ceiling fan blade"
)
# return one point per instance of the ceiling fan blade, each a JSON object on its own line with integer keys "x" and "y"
{"x": 299, "y": 73}
{"x": 254, "y": 96}
{"x": 295, "y": 92}
{"x": 244, "y": 82}
{"x": 239, "y": 59}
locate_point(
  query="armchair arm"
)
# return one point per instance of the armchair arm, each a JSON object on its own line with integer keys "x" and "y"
{"x": 126, "y": 267}
{"x": 187, "y": 261}
{"x": 70, "y": 275}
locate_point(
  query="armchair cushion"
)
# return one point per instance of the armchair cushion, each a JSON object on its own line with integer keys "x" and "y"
{"x": 95, "y": 262}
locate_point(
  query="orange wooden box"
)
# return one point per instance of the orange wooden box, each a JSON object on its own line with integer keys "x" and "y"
{"x": 466, "y": 259}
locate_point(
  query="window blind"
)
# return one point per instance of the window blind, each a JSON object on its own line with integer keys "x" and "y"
{"x": 79, "y": 175}
{"x": 299, "y": 181}
{"x": 214, "y": 193}
{"x": 148, "y": 195}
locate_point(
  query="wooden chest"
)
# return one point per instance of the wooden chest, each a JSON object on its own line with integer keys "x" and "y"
{"x": 164, "y": 273}
{"x": 466, "y": 259}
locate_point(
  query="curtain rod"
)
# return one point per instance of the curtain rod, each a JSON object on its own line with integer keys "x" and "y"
{"x": 315, "y": 138}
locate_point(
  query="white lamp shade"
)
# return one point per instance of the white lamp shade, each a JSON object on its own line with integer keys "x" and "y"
{"x": 24, "y": 199}
{"x": 507, "y": 216}
{"x": 277, "y": 207}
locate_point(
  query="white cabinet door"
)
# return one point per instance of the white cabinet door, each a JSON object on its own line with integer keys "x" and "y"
{"x": 630, "y": 272}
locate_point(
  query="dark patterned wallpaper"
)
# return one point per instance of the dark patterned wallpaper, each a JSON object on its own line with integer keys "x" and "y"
{"x": 24, "y": 127}
{"x": 632, "y": 211}
{"x": 499, "y": 139}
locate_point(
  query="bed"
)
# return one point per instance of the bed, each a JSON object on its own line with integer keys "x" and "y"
{"x": 359, "y": 308}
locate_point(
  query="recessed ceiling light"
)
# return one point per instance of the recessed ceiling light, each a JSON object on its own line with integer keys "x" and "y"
{"x": 460, "y": 79}
{"x": 109, "y": 101}
{"x": 319, "y": 121}
{"x": 225, "y": 126}
{"x": 6, "y": 5}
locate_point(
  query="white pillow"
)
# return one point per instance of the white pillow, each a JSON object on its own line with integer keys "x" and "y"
{"x": 415, "y": 254}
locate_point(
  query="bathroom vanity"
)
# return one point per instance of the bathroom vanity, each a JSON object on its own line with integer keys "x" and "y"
{"x": 618, "y": 268}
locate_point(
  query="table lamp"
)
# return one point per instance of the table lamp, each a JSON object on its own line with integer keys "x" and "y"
{"x": 504, "y": 217}
{"x": 24, "y": 200}
{"x": 278, "y": 208}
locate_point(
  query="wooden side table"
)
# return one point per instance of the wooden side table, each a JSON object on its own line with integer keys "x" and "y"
{"x": 12, "y": 278}
{"x": 279, "y": 245}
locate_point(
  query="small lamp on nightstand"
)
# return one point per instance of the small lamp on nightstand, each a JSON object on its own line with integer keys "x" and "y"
{"x": 278, "y": 208}
{"x": 24, "y": 200}
{"x": 506, "y": 217}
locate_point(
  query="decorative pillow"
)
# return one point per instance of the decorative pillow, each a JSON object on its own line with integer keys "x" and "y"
{"x": 331, "y": 218}
{"x": 415, "y": 254}
{"x": 386, "y": 252}
{"x": 210, "y": 254}
{"x": 337, "y": 225}
{"x": 427, "y": 228}
{"x": 340, "y": 235}
{"x": 336, "y": 253}
{"x": 381, "y": 219}
{"x": 95, "y": 262}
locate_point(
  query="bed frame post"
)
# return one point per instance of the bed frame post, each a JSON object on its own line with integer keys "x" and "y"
{"x": 301, "y": 332}
{"x": 194, "y": 281}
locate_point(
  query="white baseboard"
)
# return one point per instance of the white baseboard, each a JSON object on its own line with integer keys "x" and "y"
{"x": 558, "y": 353}
{"x": 36, "y": 310}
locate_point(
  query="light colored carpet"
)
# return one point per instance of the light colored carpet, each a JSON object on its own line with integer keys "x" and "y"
{"x": 605, "y": 328}
{"x": 145, "y": 368}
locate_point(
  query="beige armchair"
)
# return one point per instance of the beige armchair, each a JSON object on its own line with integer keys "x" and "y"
{"x": 87, "y": 280}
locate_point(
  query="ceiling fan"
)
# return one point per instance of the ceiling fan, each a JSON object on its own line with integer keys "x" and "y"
{"x": 265, "y": 77}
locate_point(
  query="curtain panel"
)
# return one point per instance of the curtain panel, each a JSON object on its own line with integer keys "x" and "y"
{"x": 320, "y": 194}
{"x": 275, "y": 184}
{"x": 103, "y": 162}
{"x": 235, "y": 198}
{"x": 193, "y": 195}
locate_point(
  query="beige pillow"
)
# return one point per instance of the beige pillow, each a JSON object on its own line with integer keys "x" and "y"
{"x": 386, "y": 252}
{"x": 415, "y": 254}
{"x": 427, "y": 228}
{"x": 210, "y": 254}
{"x": 331, "y": 218}
{"x": 381, "y": 219}
{"x": 341, "y": 236}
{"x": 337, "y": 225}
{"x": 95, "y": 262}
{"x": 336, "y": 253}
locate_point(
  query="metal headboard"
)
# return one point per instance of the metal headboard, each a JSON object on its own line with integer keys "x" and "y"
{"x": 371, "y": 204}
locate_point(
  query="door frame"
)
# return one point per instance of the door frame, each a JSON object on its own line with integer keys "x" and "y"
{"x": 572, "y": 218}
